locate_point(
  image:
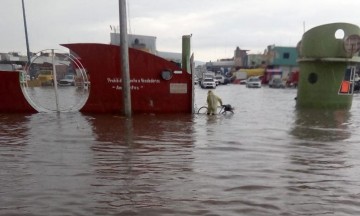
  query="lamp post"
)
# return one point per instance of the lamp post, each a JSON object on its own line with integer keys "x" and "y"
{"x": 26, "y": 34}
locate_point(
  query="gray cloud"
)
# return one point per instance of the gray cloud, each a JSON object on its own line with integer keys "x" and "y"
{"x": 217, "y": 26}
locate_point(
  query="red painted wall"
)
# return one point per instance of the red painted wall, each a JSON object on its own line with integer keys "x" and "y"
{"x": 149, "y": 92}
{"x": 12, "y": 98}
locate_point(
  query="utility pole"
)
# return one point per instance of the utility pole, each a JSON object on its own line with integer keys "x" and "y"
{"x": 26, "y": 34}
{"x": 124, "y": 53}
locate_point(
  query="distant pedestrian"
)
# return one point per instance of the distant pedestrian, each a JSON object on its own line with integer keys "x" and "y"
{"x": 212, "y": 102}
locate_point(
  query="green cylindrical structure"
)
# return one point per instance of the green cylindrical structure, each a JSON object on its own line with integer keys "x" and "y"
{"x": 186, "y": 49}
{"x": 327, "y": 58}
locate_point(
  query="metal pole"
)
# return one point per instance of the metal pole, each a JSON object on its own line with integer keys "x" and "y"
{"x": 26, "y": 34}
{"x": 124, "y": 54}
{"x": 304, "y": 26}
{"x": 55, "y": 81}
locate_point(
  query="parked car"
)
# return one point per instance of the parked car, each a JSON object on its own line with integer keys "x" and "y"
{"x": 208, "y": 82}
{"x": 253, "y": 82}
{"x": 45, "y": 77}
{"x": 68, "y": 80}
{"x": 227, "y": 80}
{"x": 221, "y": 79}
{"x": 196, "y": 80}
{"x": 243, "y": 82}
{"x": 293, "y": 79}
{"x": 277, "y": 83}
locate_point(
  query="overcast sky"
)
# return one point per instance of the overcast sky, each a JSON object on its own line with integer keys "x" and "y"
{"x": 217, "y": 26}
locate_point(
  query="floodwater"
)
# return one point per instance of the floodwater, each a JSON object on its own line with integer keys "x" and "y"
{"x": 266, "y": 159}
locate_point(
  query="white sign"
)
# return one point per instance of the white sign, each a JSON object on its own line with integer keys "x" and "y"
{"x": 178, "y": 88}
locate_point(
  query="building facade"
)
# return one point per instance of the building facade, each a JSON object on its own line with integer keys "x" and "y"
{"x": 147, "y": 44}
{"x": 283, "y": 58}
{"x": 141, "y": 42}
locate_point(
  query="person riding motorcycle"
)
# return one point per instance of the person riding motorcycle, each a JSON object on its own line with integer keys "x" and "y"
{"x": 212, "y": 102}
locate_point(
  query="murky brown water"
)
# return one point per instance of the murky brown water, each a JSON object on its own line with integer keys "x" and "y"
{"x": 266, "y": 159}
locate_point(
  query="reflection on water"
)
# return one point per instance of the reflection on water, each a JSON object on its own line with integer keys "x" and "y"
{"x": 266, "y": 159}
{"x": 318, "y": 185}
{"x": 137, "y": 173}
{"x": 13, "y": 141}
{"x": 319, "y": 165}
{"x": 320, "y": 125}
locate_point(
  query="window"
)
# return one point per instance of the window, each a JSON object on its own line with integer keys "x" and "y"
{"x": 313, "y": 78}
{"x": 347, "y": 85}
{"x": 286, "y": 55}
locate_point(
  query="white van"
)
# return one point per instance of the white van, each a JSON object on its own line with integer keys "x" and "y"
{"x": 208, "y": 82}
{"x": 220, "y": 79}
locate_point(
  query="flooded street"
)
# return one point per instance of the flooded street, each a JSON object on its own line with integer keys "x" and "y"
{"x": 266, "y": 159}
